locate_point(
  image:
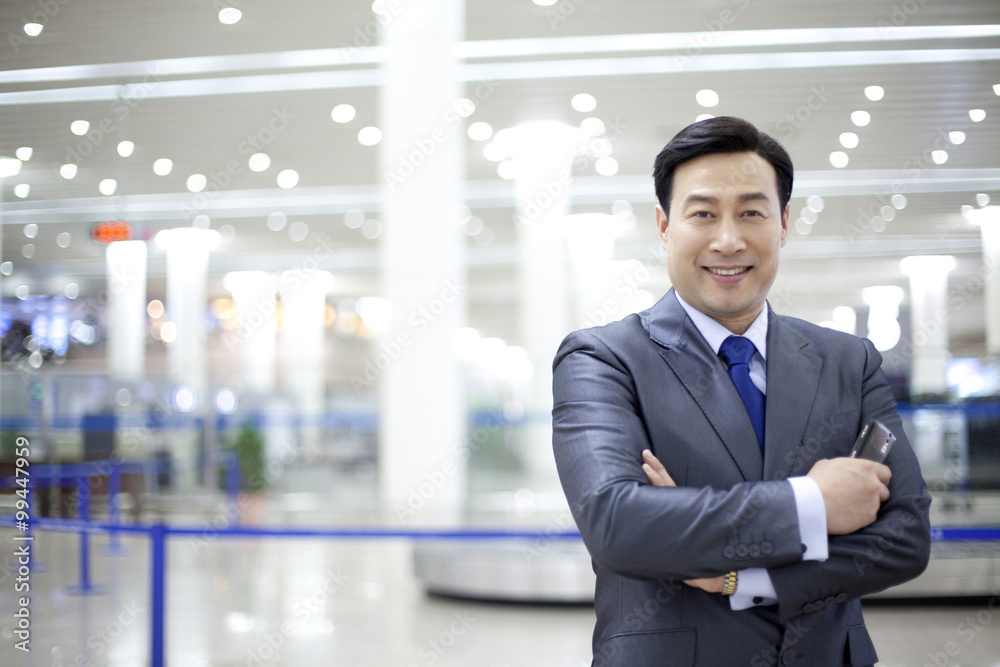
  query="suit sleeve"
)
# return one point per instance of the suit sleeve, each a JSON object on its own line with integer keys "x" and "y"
{"x": 629, "y": 526}
{"x": 893, "y": 549}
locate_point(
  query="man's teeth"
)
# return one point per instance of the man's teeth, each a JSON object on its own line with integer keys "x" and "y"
{"x": 729, "y": 272}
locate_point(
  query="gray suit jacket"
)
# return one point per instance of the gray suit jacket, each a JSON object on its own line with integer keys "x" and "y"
{"x": 651, "y": 381}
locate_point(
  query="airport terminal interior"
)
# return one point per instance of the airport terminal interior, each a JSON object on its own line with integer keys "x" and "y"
{"x": 282, "y": 284}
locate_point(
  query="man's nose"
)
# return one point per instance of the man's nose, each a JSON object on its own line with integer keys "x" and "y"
{"x": 728, "y": 238}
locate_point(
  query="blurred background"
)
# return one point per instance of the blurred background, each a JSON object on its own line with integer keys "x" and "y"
{"x": 339, "y": 242}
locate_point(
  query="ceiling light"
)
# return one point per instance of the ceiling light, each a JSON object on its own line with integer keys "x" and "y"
{"x": 21, "y": 292}
{"x": 803, "y": 226}
{"x": 63, "y": 239}
{"x": 707, "y": 98}
{"x": 79, "y": 127}
{"x": 343, "y": 113}
{"x": 939, "y": 157}
{"x": 494, "y": 152}
{"x": 982, "y": 199}
{"x": 369, "y": 136}
{"x": 33, "y": 29}
{"x": 276, "y": 221}
{"x": 874, "y": 93}
{"x": 9, "y": 167}
{"x": 592, "y": 127}
{"x": 956, "y": 137}
{"x": 888, "y": 213}
{"x": 201, "y": 221}
{"x": 354, "y": 218}
{"x": 107, "y": 186}
{"x": 977, "y": 115}
{"x": 815, "y": 203}
{"x": 704, "y": 116}
{"x": 583, "y": 102}
{"x": 996, "y": 89}
{"x": 480, "y": 131}
{"x": 259, "y": 162}
{"x": 24, "y": 153}
{"x": 163, "y": 166}
{"x": 298, "y": 231}
{"x": 507, "y": 170}
{"x": 30, "y": 230}
{"x": 839, "y": 159}
{"x": 849, "y": 140}
{"x": 544, "y": 3}
{"x": 229, "y": 15}
{"x": 72, "y": 290}
{"x": 371, "y": 229}
{"x": 196, "y": 182}
{"x": 809, "y": 215}
{"x": 68, "y": 171}
{"x": 125, "y": 148}
{"x": 21, "y": 190}
{"x": 227, "y": 233}
{"x": 606, "y": 166}
{"x": 28, "y": 250}
{"x": 898, "y": 201}
{"x": 287, "y": 178}
{"x": 861, "y": 118}
{"x": 7, "y": 268}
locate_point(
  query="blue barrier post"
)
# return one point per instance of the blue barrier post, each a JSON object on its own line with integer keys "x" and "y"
{"x": 158, "y": 557}
{"x": 114, "y": 546}
{"x": 83, "y": 503}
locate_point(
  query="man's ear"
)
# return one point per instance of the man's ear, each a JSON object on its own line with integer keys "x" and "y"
{"x": 661, "y": 223}
{"x": 784, "y": 224}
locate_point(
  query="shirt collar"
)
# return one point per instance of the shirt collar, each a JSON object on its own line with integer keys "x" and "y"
{"x": 714, "y": 333}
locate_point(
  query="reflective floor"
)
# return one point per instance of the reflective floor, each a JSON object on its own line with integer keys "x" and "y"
{"x": 255, "y": 602}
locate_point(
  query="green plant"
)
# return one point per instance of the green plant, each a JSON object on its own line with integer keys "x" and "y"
{"x": 249, "y": 449}
{"x": 8, "y": 444}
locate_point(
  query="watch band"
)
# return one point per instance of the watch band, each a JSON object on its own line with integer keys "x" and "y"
{"x": 729, "y": 586}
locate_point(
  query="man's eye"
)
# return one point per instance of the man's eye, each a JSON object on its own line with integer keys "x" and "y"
{"x": 752, "y": 213}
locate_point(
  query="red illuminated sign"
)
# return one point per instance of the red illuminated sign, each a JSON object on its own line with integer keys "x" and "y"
{"x": 109, "y": 232}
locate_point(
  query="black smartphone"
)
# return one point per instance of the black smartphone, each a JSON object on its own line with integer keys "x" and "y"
{"x": 874, "y": 442}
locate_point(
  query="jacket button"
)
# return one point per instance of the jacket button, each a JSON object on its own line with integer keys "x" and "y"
{"x": 830, "y": 600}
{"x": 754, "y": 550}
{"x": 742, "y": 551}
{"x": 788, "y": 657}
{"x": 842, "y": 597}
{"x": 809, "y": 608}
{"x": 729, "y": 551}
{"x": 766, "y": 548}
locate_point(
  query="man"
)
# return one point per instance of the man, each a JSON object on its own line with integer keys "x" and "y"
{"x": 760, "y": 553}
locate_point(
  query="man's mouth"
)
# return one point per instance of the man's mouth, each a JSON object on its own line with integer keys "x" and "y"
{"x": 728, "y": 272}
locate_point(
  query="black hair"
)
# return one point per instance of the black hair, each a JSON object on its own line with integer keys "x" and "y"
{"x": 723, "y": 134}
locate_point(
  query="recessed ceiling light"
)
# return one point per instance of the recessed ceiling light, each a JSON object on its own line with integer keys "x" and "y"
{"x": 956, "y": 137}
{"x": 229, "y": 15}
{"x": 480, "y": 131}
{"x": 996, "y": 89}
{"x": 24, "y": 153}
{"x": 163, "y": 166}
{"x": 276, "y": 221}
{"x": 583, "y": 102}
{"x": 977, "y": 115}
{"x": 125, "y": 148}
{"x": 939, "y": 157}
{"x": 28, "y": 250}
{"x": 507, "y": 170}
{"x": 861, "y": 118}
{"x": 201, "y": 221}
{"x": 287, "y": 178}
{"x": 982, "y": 199}
{"x": 196, "y": 182}
{"x": 7, "y": 268}
{"x": 79, "y": 127}
{"x": 592, "y": 127}
{"x": 849, "y": 140}
{"x": 354, "y": 218}
{"x": 703, "y": 116}
{"x": 68, "y": 171}
{"x": 227, "y": 233}
{"x": 21, "y": 190}
{"x": 107, "y": 186}
{"x": 343, "y": 113}
{"x": 259, "y": 162}
{"x": 371, "y": 229}
{"x": 33, "y": 29}
{"x": 874, "y": 93}
{"x": 815, "y": 203}
{"x": 494, "y": 152}
{"x": 369, "y": 136}
{"x": 707, "y": 98}
{"x": 839, "y": 159}
{"x": 298, "y": 231}
{"x": 898, "y": 201}
{"x": 31, "y": 230}
{"x": 544, "y": 3}
{"x": 63, "y": 239}
{"x": 606, "y": 166}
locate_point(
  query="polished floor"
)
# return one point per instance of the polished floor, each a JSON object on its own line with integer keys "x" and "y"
{"x": 353, "y": 603}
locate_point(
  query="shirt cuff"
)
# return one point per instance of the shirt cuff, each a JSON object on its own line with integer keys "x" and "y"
{"x": 811, "y": 511}
{"x": 753, "y": 588}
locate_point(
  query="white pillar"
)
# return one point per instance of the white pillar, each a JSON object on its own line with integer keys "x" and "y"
{"x": 929, "y": 321}
{"x": 303, "y": 342}
{"x": 126, "y": 325}
{"x": 542, "y": 154}
{"x": 255, "y": 337}
{"x": 988, "y": 219}
{"x": 9, "y": 167}
{"x": 187, "y": 272}
{"x": 590, "y": 238}
{"x": 421, "y": 409}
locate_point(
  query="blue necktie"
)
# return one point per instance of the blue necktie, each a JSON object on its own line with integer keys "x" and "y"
{"x": 737, "y": 351}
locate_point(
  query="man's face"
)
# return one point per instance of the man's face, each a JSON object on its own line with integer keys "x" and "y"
{"x": 723, "y": 235}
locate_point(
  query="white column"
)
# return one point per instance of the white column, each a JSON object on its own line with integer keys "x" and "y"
{"x": 542, "y": 154}
{"x": 187, "y": 272}
{"x": 9, "y": 167}
{"x": 255, "y": 337}
{"x": 303, "y": 343}
{"x": 126, "y": 325}
{"x": 421, "y": 408}
{"x": 590, "y": 238}
{"x": 929, "y": 321}
{"x": 988, "y": 219}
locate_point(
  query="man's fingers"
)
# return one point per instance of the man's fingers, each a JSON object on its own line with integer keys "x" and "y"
{"x": 883, "y": 493}
{"x": 655, "y": 471}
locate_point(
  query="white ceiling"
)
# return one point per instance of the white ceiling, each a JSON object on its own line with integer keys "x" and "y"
{"x": 179, "y": 84}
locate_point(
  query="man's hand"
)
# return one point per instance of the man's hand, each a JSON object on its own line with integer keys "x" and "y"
{"x": 853, "y": 490}
{"x": 658, "y": 476}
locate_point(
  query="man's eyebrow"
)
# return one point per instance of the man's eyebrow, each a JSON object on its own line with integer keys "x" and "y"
{"x": 754, "y": 196}
{"x": 744, "y": 197}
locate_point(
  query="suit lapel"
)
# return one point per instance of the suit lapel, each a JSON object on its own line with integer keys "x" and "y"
{"x": 704, "y": 377}
{"x": 792, "y": 382}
